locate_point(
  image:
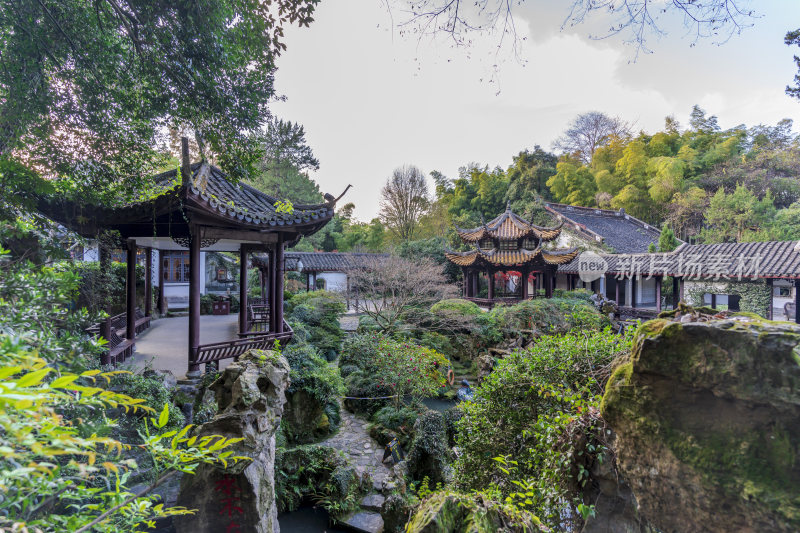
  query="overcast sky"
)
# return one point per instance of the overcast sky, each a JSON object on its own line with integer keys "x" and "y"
{"x": 371, "y": 99}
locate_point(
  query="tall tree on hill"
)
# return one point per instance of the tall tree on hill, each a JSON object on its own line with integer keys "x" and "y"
{"x": 404, "y": 200}
{"x": 86, "y": 88}
{"x": 286, "y": 158}
{"x": 588, "y": 132}
{"x": 527, "y": 177}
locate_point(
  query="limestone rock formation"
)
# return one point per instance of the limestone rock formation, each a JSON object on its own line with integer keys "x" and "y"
{"x": 707, "y": 418}
{"x": 250, "y": 397}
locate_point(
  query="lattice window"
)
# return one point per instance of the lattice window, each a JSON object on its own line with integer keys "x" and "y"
{"x": 530, "y": 244}
{"x": 487, "y": 244}
{"x": 508, "y": 245}
{"x": 176, "y": 267}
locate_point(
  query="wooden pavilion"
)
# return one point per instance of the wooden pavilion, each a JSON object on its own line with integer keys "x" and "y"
{"x": 513, "y": 247}
{"x": 198, "y": 208}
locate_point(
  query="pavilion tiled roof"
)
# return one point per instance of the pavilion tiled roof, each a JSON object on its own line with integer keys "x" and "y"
{"x": 511, "y": 257}
{"x": 623, "y": 233}
{"x": 207, "y": 191}
{"x": 508, "y": 227}
{"x": 241, "y": 202}
{"x": 749, "y": 260}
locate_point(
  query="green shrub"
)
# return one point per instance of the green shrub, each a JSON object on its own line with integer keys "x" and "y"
{"x": 429, "y": 455}
{"x": 99, "y": 290}
{"x": 387, "y": 367}
{"x": 63, "y": 467}
{"x": 319, "y": 311}
{"x": 312, "y": 409}
{"x": 545, "y": 316}
{"x": 539, "y": 410}
{"x": 318, "y": 473}
{"x": 150, "y": 388}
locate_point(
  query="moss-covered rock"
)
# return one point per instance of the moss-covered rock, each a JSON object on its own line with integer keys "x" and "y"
{"x": 707, "y": 416}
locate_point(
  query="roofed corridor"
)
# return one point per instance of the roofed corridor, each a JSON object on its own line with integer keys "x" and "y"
{"x": 164, "y": 345}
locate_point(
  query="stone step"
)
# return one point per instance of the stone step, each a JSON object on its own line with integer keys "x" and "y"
{"x": 364, "y": 522}
{"x": 373, "y": 502}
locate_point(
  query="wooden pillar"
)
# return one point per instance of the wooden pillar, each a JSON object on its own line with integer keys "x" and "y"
{"x": 105, "y": 326}
{"x": 676, "y": 292}
{"x": 308, "y": 282}
{"x": 271, "y": 284}
{"x": 490, "y": 278}
{"x": 771, "y": 297}
{"x": 279, "y": 266}
{"x": 476, "y": 286}
{"x": 797, "y": 301}
{"x": 314, "y": 284}
{"x": 130, "y": 299}
{"x": 243, "y": 326}
{"x": 524, "y": 281}
{"x": 713, "y": 301}
{"x": 658, "y": 294}
{"x": 634, "y": 279}
{"x": 617, "y": 292}
{"x": 161, "y": 304}
{"x": 194, "y": 301}
{"x": 548, "y": 283}
{"x": 148, "y": 282}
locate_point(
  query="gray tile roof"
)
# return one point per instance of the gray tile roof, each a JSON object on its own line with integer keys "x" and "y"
{"x": 769, "y": 259}
{"x": 623, "y": 233}
{"x": 326, "y": 261}
{"x": 243, "y": 202}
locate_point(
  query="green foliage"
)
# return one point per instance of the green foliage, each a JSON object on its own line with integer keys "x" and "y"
{"x": 149, "y": 387}
{"x": 315, "y": 387}
{"x": 62, "y": 469}
{"x": 101, "y": 290}
{"x": 429, "y": 455}
{"x": 667, "y": 241}
{"x": 755, "y": 294}
{"x": 390, "y": 368}
{"x": 284, "y": 207}
{"x": 319, "y": 312}
{"x": 538, "y": 408}
{"x": 547, "y": 316}
{"x": 318, "y": 473}
{"x": 739, "y": 216}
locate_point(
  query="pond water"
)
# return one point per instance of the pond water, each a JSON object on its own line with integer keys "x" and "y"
{"x": 307, "y": 520}
{"x": 438, "y": 404}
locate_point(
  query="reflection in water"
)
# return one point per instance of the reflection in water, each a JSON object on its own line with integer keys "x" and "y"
{"x": 438, "y": 404}
{"x": 306, "y": 520}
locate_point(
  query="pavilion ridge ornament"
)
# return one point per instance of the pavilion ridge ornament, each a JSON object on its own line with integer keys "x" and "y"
{"x": 185, "y": 241}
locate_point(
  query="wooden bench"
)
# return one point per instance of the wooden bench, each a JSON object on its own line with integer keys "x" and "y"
{"x": 119, "y": 349}
{"x": 142, "y": 322}
{"x": 790, "y": 310}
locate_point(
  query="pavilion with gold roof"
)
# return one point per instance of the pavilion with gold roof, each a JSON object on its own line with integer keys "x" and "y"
{"x": 509, "y": 251}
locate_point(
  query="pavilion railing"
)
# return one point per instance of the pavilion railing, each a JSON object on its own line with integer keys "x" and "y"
{"x": 252, "y": 340}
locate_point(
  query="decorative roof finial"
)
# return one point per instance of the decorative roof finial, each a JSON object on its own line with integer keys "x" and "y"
{"x": 508, "y": 205}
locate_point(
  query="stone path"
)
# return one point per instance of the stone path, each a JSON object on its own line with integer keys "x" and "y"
{"x": 364, "y": 452}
